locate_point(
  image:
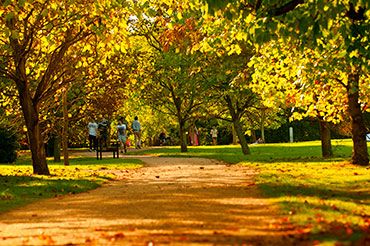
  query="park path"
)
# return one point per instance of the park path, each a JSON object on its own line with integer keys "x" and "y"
{"x": 175, "y": 201}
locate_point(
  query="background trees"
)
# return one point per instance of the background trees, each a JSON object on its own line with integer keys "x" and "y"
{"x": 36, "y": 47}
{"x": 248, "y": 57}
{"x": 336, "y": 29}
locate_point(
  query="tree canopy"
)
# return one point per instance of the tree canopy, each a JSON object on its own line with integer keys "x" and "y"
{"x": 308, "y": 56}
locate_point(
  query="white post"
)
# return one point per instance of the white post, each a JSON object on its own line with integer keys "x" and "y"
{"x": 291, "y": 134}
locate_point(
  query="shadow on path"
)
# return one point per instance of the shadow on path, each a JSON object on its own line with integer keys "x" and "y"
{"x": 169, "y": 201}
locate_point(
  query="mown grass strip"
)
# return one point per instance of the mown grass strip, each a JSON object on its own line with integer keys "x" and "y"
{"x": 18, "y": 186}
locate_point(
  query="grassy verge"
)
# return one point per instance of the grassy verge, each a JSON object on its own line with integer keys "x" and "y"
{"x": 325, "y": 200}
{"x": 18, "y": 186}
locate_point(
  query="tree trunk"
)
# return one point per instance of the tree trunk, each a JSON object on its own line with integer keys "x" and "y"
{"x": 242, "y": 139}
{"x": 326, "y": 148}
{"x": 235, "y": 136}
{"x": 36, "y": 141}
{"x": 56, "y": 148}
{"x": 360, "y": 154}
{"x": 262, "y": 124}
{"x": 65, "y": 128}
{"x": 183, "y": 142}
{"x": 237, "y": 125}
{"x": 253, "y": 136}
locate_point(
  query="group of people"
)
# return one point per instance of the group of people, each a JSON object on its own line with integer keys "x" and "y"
{"x": 100, "y": 131}
{"x": 194, "y": 135}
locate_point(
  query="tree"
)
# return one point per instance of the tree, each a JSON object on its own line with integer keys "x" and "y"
{"x": 174, "y": 85}
{"x": 278, "y": 66}
{"x": 342, "y": 25}
{"x": 177, "y": 89}
{"x": 231, "y": 98}
{"x": 35, "y": 41}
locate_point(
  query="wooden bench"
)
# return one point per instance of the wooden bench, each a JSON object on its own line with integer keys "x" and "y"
{"x": 113, "y": 147}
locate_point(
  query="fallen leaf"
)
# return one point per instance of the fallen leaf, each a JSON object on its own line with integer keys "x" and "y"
{"x": 232, "y": 228}
{"x": 119, "y": 235}
{"x": 183, "y": 238}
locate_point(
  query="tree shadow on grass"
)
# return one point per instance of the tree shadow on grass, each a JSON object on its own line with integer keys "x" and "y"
{"x": 331, "y": 201}
{"x": 16, "y": 191}
{"x": 279, "y": 190}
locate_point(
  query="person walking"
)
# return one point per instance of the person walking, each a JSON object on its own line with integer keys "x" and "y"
{"x": 193, "y": 134}
{"x": 104, "y": 131}
{"x": 214, "y": 133}
{"x": 136, "y": 127}
{"x": 92, "y": 126}
{"x": 122, "y": 135}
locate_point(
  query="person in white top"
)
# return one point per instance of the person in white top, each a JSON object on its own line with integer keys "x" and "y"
{"x": 92, "y": 126}
{"x": 136, "y": 127}
{"x": 122, "y": 134}
{"x": 214, "y": 133}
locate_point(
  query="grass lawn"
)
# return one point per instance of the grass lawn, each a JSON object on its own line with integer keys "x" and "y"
{"x": 18, "y": 186}
{"x": 326, "y": 200}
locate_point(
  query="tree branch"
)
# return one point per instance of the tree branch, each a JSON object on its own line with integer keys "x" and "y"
{"x": 285, "y": 8}
{"x": 341, "y": 82}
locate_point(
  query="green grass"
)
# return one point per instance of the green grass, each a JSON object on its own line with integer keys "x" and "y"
{"x": 265, "y": 153}
{"x": 326, "y": 200}
{"x": 18, "y": 186}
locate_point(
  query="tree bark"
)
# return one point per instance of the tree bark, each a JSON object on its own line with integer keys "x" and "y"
{"x": 35, "y": 139}
{"x": 183, "y": 142}
{"x": 262, "y": 124}
{"x": 360, "y": 155}
{"x": 237, "y": 125}
{"x": 242, "y": 139}
{"x": 65, "y": 128}
{"x": 235, "y": 136}
{"x": 57, "y": 148}
{"x": 253, "y": 136}
{"x": 325, "y": 135}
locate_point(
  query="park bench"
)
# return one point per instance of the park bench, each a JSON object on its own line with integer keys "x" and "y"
{"x": 112, "y": 147}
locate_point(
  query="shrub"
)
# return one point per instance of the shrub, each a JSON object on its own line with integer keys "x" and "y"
{"x": 8, "y": 144}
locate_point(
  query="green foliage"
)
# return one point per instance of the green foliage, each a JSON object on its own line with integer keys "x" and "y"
{"x": 260, "y": 153}
{"x": 8, "y": 143}
{"x": 304, "y": 130}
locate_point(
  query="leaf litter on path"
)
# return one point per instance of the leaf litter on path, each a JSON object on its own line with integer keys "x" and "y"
{"x": 169, "y": 200}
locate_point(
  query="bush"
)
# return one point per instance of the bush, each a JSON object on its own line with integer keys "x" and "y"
{"x": 8, "y": 144}
{"x": 304, "y": 130}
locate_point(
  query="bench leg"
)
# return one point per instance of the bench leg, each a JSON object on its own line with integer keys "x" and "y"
{"x": 117, "y": 149}
{"x": 101, "y": 150}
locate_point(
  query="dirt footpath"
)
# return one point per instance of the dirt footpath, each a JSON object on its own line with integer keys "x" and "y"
{"x": 175, "y": 201}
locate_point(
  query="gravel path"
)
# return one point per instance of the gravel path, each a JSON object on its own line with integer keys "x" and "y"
{"x": 171, "y": 201}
